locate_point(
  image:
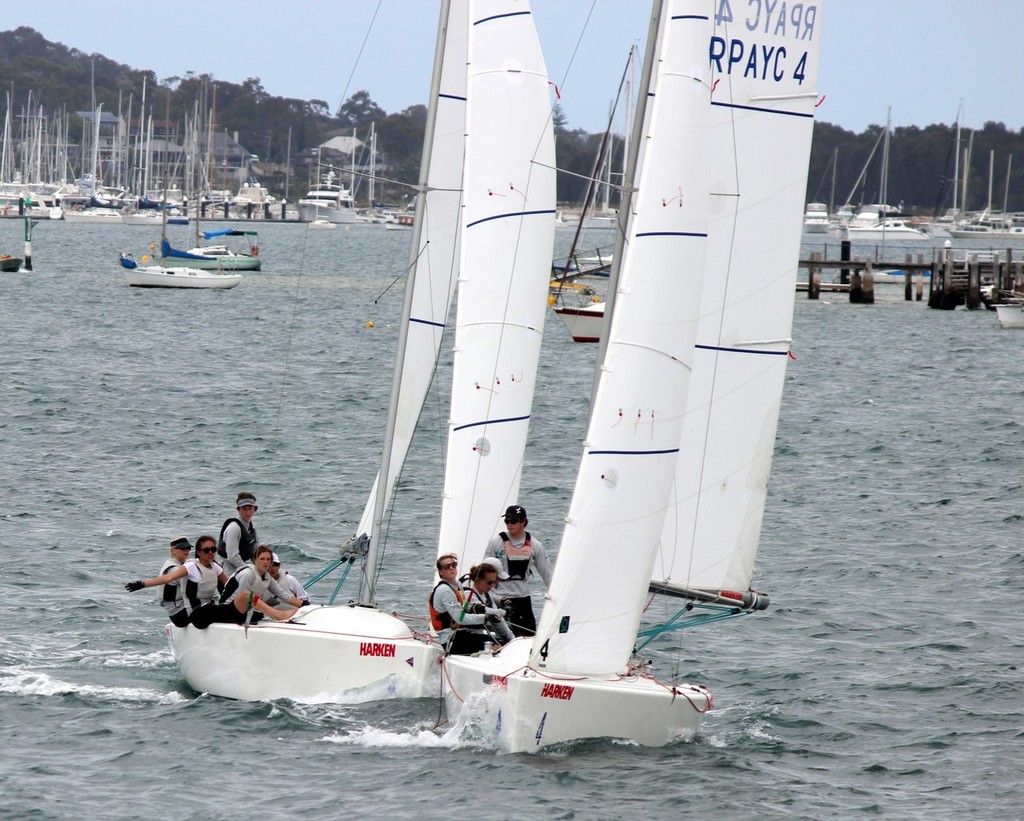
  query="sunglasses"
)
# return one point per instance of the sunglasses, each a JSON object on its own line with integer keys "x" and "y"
{"x": 208, "y": 550}
{"x": 448, "y": 566}
{"x": 513, "y": 521}
{"x": 491, "y": 582}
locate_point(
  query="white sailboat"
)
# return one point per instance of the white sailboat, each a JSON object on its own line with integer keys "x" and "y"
{"x": 326, "y": 653}
{"x": 358, "y": 650}
{"x": 744, "y": 167}
{"x": 160, "y": 276}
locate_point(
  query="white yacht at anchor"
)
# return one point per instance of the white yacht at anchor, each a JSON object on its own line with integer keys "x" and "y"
{"x": 331, "y": 202}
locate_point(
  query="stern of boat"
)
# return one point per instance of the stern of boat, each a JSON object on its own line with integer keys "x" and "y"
{"x": 342, "y": 654}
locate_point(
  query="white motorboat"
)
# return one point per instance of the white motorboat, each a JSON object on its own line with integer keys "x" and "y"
{"x": 215, "y": 257}
{"x": 159, "y": 276}
{"x": 1010, "y": 314}
{"x": 330, "y": 201}
{"x": 887, "y": 228}
{"x": 96, "y": 216}
{"x": 705, "y": 367}
{"x": 322, "y": 225}
{"x": 816, "y": 219}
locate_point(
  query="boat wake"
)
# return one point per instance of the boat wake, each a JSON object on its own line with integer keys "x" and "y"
{"x": 31, "y": 683}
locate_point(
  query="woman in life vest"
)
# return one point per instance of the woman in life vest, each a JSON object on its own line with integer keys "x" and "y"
{"x": 239, "y": 602}
{"x": 238, "y": 541}
{"x": 172, "y": 597}
{"x": 452, "y": 614}
{"x": 483, "y": 577}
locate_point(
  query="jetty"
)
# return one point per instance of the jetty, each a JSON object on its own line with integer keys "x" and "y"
{"x": 973, "y": 278}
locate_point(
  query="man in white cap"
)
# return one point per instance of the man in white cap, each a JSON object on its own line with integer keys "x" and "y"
{"x": 237, "y": 542}
{"x": 518, "y": 552}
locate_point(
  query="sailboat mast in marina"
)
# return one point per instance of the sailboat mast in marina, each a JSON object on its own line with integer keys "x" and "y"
{"x": 713, "y": 217}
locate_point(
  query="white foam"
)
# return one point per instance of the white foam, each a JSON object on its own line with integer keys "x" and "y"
{"x": 31, "y": 683}
{"x": 376, "y": 737}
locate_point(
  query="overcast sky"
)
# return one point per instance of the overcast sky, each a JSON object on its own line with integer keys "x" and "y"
{"x": 919, "y": 57}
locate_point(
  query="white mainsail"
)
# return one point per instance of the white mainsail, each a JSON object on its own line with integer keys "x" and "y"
{"x": 504, "y": 269}
{"x": 762, "y": 123}
{"x": 589, "y": 622}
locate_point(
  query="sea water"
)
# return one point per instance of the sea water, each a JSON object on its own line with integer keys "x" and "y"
{"x": 884, "y": 680}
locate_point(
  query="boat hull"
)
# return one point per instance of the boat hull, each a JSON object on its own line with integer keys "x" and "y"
{"x": 308, "y": 212}
{"x": 524, "y": 710}
{"x": 158, "y": 277}
{"x": 217, "y": 263}
{"x": 325, "y": 654}
{"x": 1010, "y": 315}
{"x": 94, "y": 217}
{"x": 585, "y": 323}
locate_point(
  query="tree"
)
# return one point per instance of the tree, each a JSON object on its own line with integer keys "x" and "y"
{"x": 359, "y": 110}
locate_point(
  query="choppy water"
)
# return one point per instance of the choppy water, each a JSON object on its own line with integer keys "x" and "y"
{"x": 885, "y": 680}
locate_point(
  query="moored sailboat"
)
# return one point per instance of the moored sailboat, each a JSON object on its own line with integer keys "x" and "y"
{"x": 579, "y": 677}
{"x": 161, "y": 276}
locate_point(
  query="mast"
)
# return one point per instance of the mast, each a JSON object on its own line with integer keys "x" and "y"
{"x": 956, "y": 158}
{"x": 991, "y": 169}
{"x": 368, "y": 582}
{"x": 1006, "y": 190}
{"x": 626, "y": 197}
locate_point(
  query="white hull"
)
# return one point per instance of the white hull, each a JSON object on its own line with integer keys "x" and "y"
{"x": 584, "y": 323}
{"x": 891, "y": 230}
{"x": 98, "y": 216}
{"x": 326, "y": 654}
{"x": 523, "y": 710}
{"x": 309, "y": 212}
{"x": 323, "y": 225}
{"x": 1016, "y": 232}
{"x": 154, "y": 276}
{"x": 1010, "y": 315}
{"x": 152, "y": 220}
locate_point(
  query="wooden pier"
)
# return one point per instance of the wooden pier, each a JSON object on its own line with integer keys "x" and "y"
{"x": 971, "y": 278}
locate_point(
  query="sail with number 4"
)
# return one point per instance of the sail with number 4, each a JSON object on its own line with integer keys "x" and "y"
{"x": 718, "y": 177}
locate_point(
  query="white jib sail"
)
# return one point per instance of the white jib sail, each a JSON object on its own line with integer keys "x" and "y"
{"x": 593, "y": 608}
{"x": 504, "y": 270}
{"x": 763, "y": 120}
{"x": 434, "y": 255}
